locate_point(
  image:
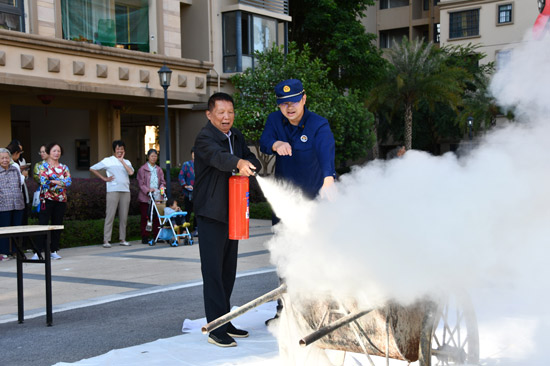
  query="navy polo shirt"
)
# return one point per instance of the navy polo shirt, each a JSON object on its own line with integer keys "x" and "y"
{"x": 312, "y": 145}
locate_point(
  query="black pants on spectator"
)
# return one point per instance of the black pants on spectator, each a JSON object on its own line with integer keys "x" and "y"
{"x": 219, "y": 268}
{"x": 188, "y": 207}
{"x": 52, "y": 213}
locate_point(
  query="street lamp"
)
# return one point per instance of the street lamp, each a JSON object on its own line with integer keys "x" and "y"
{"x": 470, "y": 124}
{"x": 164, "y": 76}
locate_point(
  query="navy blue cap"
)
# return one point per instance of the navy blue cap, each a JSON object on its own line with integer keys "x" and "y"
{"x": 290, "y": 90}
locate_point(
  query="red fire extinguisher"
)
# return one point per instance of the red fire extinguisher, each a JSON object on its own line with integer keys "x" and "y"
{"x": 239, "y": 216}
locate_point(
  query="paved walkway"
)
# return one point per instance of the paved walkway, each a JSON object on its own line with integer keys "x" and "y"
{"x": 93, "y": 274}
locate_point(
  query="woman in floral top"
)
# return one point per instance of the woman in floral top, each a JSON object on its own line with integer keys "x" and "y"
{"x": 54, "y": 180}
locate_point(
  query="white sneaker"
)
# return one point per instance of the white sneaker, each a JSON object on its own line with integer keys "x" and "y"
{"x": 34, "y": 257}
{"x": 54, "y": 255}
{"x": 125, "y": 243}
{"x": 106, "y": 245}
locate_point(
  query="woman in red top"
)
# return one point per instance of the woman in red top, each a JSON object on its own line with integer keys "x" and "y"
{"x": 150, "y": 178}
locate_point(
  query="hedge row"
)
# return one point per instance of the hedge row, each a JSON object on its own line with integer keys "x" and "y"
{"x": 79, "y": 233}
{"x": 86, "y": 197}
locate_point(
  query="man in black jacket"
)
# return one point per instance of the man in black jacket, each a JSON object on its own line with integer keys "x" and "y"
{"x": 220, "y": 150}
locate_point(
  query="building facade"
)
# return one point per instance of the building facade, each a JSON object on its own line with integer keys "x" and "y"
{"x": 498, "y": 26}
{"x": 391, "y": 20}
{"x": 85, "y": 72}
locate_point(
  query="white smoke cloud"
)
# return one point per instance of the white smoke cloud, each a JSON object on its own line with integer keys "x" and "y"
{"x": 421, "y": 224}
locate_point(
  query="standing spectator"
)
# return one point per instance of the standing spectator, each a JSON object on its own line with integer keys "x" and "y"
{"x": 118, "y": 172}
{"x": 187, "y": 181}
{"x": 54, "y": 180}
{"x": 302, "y": 142}
{"x": 11, "y": 199}
{"x": 219, "y": 150}
{"x": 150, "y": 179}
{"x": 17, "y": 149}
{"x": 36, "y": 169}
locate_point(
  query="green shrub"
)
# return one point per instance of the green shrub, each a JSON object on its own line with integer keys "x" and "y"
{"x": 79, "y": 233}
{"x": 260, "y": 210}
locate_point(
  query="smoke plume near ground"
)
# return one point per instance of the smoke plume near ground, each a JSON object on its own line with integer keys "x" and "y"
{"x": 418, "y": 225}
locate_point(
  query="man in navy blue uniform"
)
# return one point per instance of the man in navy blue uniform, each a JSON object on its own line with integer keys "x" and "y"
{"x": 302, "y": 141}
{"x": 220, "y": 150}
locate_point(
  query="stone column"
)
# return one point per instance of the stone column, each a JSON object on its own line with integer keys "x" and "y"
{"x": 5, "y": 123}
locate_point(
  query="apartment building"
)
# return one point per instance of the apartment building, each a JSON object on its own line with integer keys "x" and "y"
{"x": 497, "y": 25}
{"x": 391, "y": 20}
{"x": 85, "y": 72}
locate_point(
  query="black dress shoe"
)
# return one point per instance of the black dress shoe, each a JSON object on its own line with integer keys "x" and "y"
{"x": 237, "y": 333}
{"x": 221, "y": 340}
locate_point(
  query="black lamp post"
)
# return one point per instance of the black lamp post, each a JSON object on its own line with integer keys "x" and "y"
{"x": 164, "y": 75}
{"x": 470, "y": 124}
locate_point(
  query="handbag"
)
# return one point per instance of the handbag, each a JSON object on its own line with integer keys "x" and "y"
{"x": 36, "y": 201}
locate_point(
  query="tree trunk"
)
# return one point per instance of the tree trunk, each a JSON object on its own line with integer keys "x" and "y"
{"x": 265, "y": 160}
{"x": 408, "y": 126}
{"x": 376, "y": 147}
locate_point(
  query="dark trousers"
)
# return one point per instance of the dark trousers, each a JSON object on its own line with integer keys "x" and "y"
{"x": 52, "y": 213}
{"x": 219, "y": 268}
{"x": 9, "y": 218}
{"x": 188, "y": 207}
{"x": 145, "y": 209}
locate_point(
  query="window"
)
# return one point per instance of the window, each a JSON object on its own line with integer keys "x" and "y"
{"x": 390, "y": 4}
{"x": 426, "y": 5}
{"x": 464, "y": 24}
{"x": 437, "y": 33}
{"x": 394, "y": 36}
{"x": 503, "y": 58}
{"x": 505, "y": 14}
{"x": 132, "y": 29}
{"x": 121, "y": 24}
{"x": 11, "y": 15}
{"x": 244, "y": 34}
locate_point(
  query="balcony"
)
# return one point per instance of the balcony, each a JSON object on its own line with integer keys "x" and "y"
{"x": 276, "y": 6}
{"x": 69, "y": 67}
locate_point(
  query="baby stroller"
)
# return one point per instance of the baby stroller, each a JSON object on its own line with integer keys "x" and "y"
{"x": 169, "y": 224}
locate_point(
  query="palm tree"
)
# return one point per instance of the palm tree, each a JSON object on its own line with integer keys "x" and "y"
{"x": 417, "y": 71}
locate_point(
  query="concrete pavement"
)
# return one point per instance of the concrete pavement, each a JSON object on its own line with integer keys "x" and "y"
{"x": 93, "y": 275}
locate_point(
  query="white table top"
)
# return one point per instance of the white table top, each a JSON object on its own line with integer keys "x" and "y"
{"x": 28, "y": 229}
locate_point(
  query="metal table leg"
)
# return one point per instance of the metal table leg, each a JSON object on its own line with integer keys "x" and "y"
{"x": 48, "y": 260}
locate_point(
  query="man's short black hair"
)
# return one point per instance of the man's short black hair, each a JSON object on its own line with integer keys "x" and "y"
{"x": 218, "y": 96}
{"x": 117, "y": 143}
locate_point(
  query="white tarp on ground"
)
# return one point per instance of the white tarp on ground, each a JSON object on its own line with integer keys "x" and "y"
{"x": 502, "y": 342}
{"x": 192, "y": 348}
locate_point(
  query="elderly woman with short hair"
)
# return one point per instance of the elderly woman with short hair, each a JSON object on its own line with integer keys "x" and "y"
{"x": 11, "y": 199}
{"x": 150, "y": 178}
